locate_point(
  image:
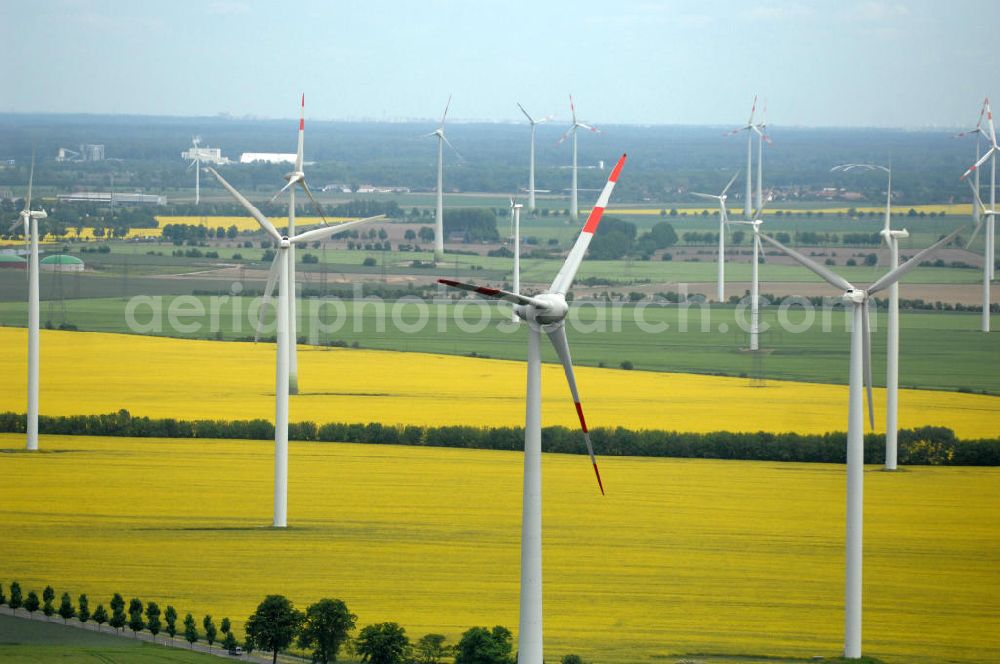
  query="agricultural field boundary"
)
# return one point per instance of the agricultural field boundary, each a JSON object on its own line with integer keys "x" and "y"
{"x": 934, "y": 446}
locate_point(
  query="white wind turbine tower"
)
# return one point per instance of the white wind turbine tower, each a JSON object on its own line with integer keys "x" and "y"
{"x": 29, "y": 218}
{"x": 891, "y": 239}
{"x": 860, "y": 378}
{"x": 515, "y": 217}
{"x": 723, "y": 222}
{"x": 196, "y": 165}
{"x": 988, "y": 257}
{"x": 545, "y": 312}
{"x": 439, "y": 216}
{"x": 280, "y": 274}
{"x": 990, "y": 214}
{"x": 573, "y": 207}
{"x": 531, "y": 162}
{"x": 295, "y": 178}
{"x": 750, "y": 129}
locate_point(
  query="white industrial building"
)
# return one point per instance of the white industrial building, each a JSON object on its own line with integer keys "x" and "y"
{"x": 88, "y": 152}
{"x": 205, "y": 155}
{"x": 267, "y": 157}
{"x": 105, "y": 198}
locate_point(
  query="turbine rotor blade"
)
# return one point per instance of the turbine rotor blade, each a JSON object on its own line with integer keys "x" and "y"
{"x": 564, "y": 279}
{"x": 894, "y": 276}
{"x": 530, "y": 119}
{"x": 445, "y": 114}
{"x": 572, "y": 108}
{"x": 828, "y": 276}
{"x": 247, "y": 205}
{"x": 291, "y": 181}
{"x": 326, "y": 231}
{"x": 31, "y": 181}
{"x": 495, "y": 293}
{"x": 979, "y": 163}
{"x": 319, "y": 209}
{"x": 731, "y": 181}
{"x": 272, "y": 279}
{"x": 557, "y": 336}
{"x": 448, "y": 143}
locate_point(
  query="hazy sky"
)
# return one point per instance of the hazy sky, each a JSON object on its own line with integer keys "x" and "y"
{"x": 910, "y": 63}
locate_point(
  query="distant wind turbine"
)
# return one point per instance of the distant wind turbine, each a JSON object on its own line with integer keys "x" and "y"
{"x": 531, "y": 158}
{"x": 296, "y": 178}
{"x": 723, "y": 227}
{"x": 760, "y": 129}
{"x": 749, "y": 129}
{"x": 573, "y": 207}
{"x": 758, "y": 251}
{"x": 545, "y": 312}
{"x": 439, "y": 216}
{"x": 988, "y": 252}
{"x": 279, "y": 274}
{"x": 860, "y": 378}
{"x": 990, "y": 214}
{"x": 196, "y": 165}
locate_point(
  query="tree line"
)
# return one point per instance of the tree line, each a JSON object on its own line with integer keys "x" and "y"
{"x": 935, "y": 446}
{"x": 322, "y": 630}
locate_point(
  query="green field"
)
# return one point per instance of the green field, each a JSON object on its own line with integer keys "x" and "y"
{"x": 37, "y": 642}
{"x": 938, "y": 350}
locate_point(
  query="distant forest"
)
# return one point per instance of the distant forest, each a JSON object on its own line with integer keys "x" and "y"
{"x": 665, "y": 162}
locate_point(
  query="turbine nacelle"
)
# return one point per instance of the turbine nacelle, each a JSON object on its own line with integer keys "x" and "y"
{"x": 897, "y": 235}
{"x": 285, "y": 242}
{"x": 550, "y": 310}
{"x": 855, "y": 296}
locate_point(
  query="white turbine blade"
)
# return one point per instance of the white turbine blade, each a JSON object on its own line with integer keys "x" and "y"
{"x": 319, "y": 209}
{"x": 327, "y": 231}
{"x": 31, "y": 181}
{"x": 710, "y": 196}
{"x": 495, "y": 293}
{"x": 291, "y": 181}
{"x": 563, "y": 138}
{"x": 302, "y": 133}
{"x": 760, "y": 247}
{"x": 753, "y": 109}
{"x": 894, "y": 276}
{"x": 989, "y": 120}
{"x": 247, "y": 205}
{"x": 445, "y": 114}
{"x": 975, "y": 232}
{"x": 888, "y": 208}
{"x": 191, "y": 165}
{"x": 530, "y": 119}
{"x": 731, "y": 181}
{"x": 558, "y": 338}
{"x": 566, "y": 274}
{"x": 979, "y": 163}
{"x": 448, "y": 143}
{"x": 588, "y": 127}
{"x": 866, "y": 347}
{"x": 572, "y": 108}
{"x": 272, "y": 279}
{"x": 829, "y": 277}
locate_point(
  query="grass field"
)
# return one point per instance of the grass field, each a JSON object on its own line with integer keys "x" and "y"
{"x": 681, "y": 556}
{"x": 34, "y": 642}
{"x": 91, "y": 373}
{"x": 938, "y": 350}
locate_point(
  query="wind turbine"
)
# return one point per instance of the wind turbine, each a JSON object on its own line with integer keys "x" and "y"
{"x": 990, "y": 213}
{"x": 531, "y": 163}
{"x": 758, "y": 251}
{"x": 573, "y": 207}
{"x": 294, "y": 179}
{"x": 439, "y": 216}
{"x": 860, "y": 375}
{"x": 749, "y": 128}
{"x": 545, "y": 312}
{"x": 723, "y": 222}
{"x": 988, "y": 257}
{"x": 759, "y": 129}
{"x": 196, "y": 164}
{"x": 891, "y": 239}
{"x": 978, "y": 132}
{"x": 280, "y": 274}
{"x": 29, "y": 218}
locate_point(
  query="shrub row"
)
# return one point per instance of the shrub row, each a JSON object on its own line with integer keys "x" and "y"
{"x": 922, "y": 446}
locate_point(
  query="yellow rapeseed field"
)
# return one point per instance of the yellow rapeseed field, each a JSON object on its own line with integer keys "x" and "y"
{"x": 681, "y": 556}
{"x": 88, "y": 373}
{"x": 243, "y": 223}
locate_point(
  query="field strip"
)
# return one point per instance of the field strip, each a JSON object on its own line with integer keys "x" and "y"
{"x": 96, "y": 373}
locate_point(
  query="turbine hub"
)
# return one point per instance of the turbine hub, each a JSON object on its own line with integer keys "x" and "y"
{"x": 855, "y": 296}
{"x": 555, "y": 312}
{"x": 285, "y": 242}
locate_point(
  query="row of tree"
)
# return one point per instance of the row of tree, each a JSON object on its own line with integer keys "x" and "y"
{"x": 136, "y": 616}
{"x": 323, "y": 629}
{"x": 920, "y": 446}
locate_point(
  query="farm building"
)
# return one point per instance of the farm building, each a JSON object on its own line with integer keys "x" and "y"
{"x": 10, "y": 261}
{"x": 62, "y": 263}
{"x": 267, "y": 157}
